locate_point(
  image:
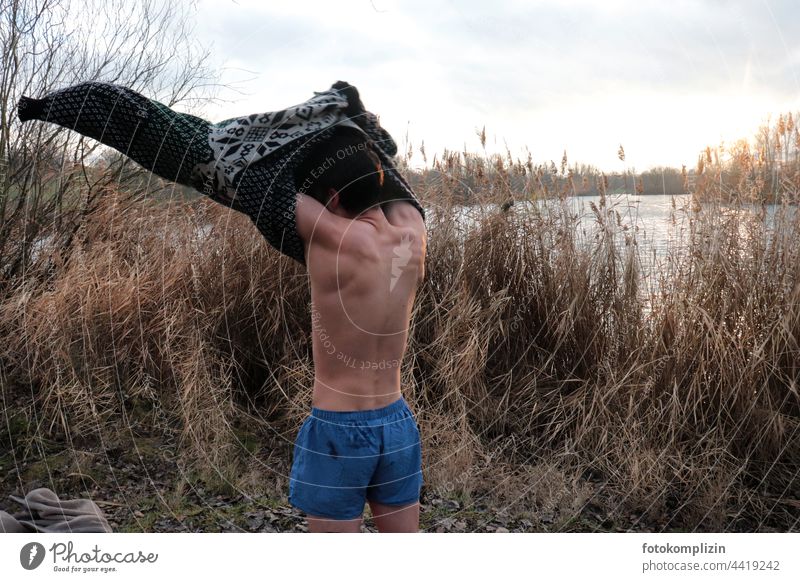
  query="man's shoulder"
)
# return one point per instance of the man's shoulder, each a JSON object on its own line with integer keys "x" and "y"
{"x": 403, "y": 214}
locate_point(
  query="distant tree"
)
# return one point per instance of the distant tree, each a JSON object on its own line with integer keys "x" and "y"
{"x": 766, "y": 170}
{"x": 662, "y": 180}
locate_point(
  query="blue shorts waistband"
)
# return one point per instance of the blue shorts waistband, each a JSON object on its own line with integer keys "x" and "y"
{"x": 371, "y": 414}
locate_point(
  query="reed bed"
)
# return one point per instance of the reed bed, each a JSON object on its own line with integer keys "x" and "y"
{"x": 546, "y": 376}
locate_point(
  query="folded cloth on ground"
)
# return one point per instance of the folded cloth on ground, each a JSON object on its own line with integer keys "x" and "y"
{"x": 44, "y": 512}
{"x": 10, "y": 524}
{"x": 246, "y": 163}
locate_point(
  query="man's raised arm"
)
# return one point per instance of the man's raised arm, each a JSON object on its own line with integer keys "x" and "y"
{"x": 314, "y": 220}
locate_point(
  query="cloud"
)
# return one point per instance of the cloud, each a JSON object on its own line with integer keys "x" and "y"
{"x": 514, "y": 65}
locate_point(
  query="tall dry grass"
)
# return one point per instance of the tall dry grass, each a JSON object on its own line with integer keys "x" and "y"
{"x": 543, "y": 373}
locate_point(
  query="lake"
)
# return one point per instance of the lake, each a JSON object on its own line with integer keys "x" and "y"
{"x": 662, "y": 229}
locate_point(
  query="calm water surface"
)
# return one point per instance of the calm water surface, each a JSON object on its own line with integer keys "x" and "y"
{"x": 660, "y": 224}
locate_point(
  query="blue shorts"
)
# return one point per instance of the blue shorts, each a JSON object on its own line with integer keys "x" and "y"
{"x": 342, "y": 459}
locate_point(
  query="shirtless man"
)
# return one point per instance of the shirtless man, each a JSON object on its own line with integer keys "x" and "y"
{"x": 365, "y": 260}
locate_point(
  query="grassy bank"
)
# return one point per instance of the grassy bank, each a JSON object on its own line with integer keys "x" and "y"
{"x": 544, "y": 388}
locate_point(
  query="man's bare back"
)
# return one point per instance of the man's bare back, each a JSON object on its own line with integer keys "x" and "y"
{"x": 364, "y": 275}
{"x": 365, "y": 259}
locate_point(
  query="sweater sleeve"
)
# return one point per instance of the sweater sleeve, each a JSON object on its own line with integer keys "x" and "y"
{"x": 164, "y": 141}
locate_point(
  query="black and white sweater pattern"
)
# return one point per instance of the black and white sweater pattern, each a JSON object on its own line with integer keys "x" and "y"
{"x": 246, "y": 163}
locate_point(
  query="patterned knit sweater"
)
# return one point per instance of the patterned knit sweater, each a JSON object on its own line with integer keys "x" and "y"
{"x": 247, "y": 163}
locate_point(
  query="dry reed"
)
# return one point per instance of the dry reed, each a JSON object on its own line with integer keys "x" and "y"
{"x": 539, "y": 378}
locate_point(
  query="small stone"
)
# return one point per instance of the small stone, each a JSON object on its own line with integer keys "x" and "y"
{"x": 501, "y": 530}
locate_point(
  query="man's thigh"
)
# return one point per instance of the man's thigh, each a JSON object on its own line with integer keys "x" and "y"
{"x": 394, "y": 518}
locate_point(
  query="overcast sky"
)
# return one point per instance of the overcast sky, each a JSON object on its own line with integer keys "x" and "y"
{"x": 662, "y": 78}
